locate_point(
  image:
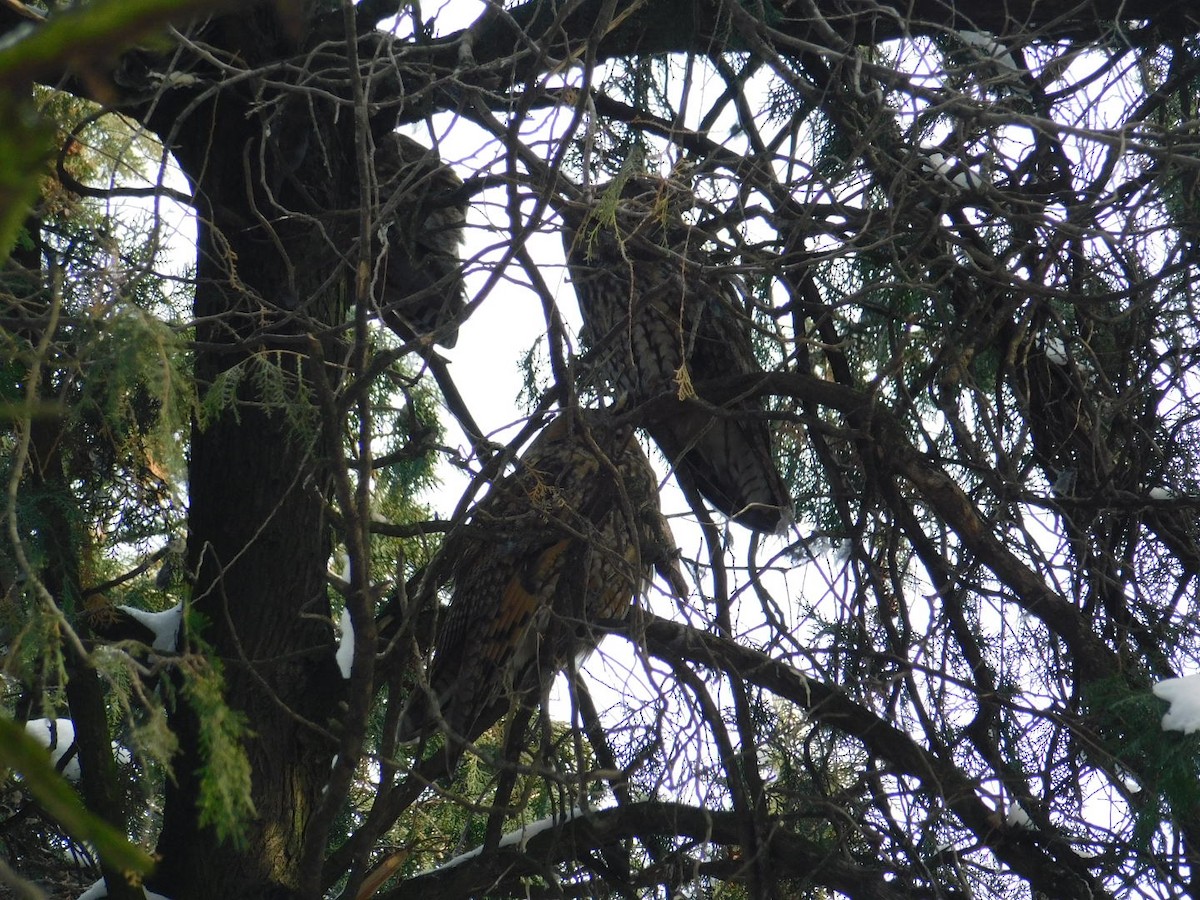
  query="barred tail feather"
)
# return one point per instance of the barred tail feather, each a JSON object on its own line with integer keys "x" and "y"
{"x": 729, "y": 463}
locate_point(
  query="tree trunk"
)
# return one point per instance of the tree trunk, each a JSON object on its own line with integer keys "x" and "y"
{"x": 259, "y": 486}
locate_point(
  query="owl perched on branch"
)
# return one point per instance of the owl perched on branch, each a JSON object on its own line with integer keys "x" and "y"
{"x": 555, "y": 551}
{"x": 658, "y": 321}
{"x": 422, "y": 203}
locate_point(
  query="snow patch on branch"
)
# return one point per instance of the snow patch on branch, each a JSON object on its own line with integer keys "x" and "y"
{"x": 58, "y": 737}
{"x": 1184, "y": 696}
{"x": 165, "y": 625}
{"x": 952, "y": 170}
{"x": 345, "y": 649}
{"x": 520, "y": 837}
{"x": 987, "y": 46}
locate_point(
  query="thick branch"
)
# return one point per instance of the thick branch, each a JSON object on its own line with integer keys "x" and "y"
{"x": 499, "y": 874}
{"x": 831, "y": 707}
{"x": 895, "y": 456}
{"x": 684, "y": 26}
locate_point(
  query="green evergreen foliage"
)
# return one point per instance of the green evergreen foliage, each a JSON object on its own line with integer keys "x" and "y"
{"x": 276, "y": 380}
{"x": 1129, "y": 725}
{"x": 225, "y": 801}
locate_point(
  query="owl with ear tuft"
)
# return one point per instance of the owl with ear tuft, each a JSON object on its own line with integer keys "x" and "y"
{"x": 556, "y": 551}
{"x": 659, "y": 318}
{"x": 424, "y": 213}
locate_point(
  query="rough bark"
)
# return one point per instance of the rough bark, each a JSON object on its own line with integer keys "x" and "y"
{"x": 260, "y": 477}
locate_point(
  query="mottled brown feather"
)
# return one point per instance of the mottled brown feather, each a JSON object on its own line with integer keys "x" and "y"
{"x": 422, "y": 285}
{"x": 558, "y": 547}
{"x": 657, "y": 321}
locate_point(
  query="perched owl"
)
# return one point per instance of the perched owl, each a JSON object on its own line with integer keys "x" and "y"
{"x": 656, "y": 324}
{"x": 552, "y": 553}
{"x": 422, "y": 285}
{"x": 1076, "y": 421}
